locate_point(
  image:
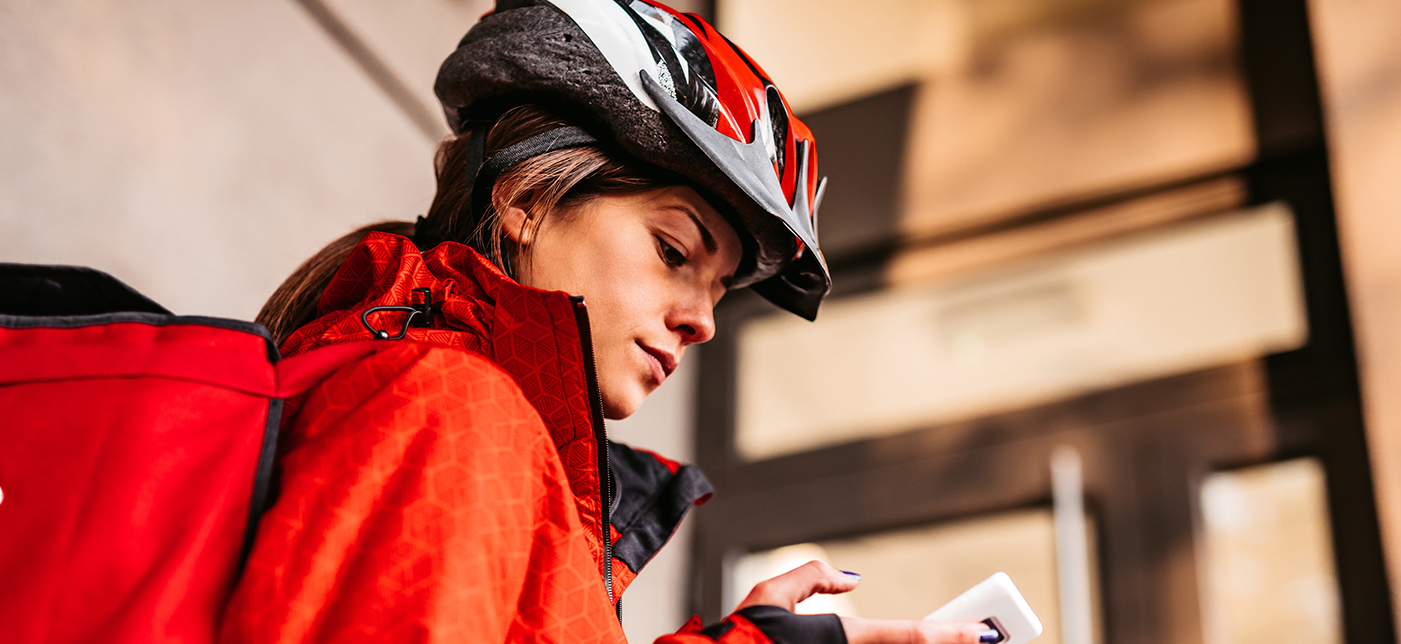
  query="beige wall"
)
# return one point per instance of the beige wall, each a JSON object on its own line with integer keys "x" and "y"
{"x": 1359, "y": 60}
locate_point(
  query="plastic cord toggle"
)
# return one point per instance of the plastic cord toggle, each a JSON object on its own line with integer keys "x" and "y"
{"x": 420, "y": 315}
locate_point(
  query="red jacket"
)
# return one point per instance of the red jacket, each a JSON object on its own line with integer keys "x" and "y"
{"x": 452, "y": 487}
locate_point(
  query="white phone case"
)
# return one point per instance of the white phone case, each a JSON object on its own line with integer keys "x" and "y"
{"x": 996, "y": 602}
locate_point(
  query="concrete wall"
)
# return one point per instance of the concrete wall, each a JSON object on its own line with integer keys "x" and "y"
{"x": 198, "y": 151}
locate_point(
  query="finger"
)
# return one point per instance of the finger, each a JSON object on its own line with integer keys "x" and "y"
{"x": 791, "y": 587}
{"x": 821, "y": 577}
{"x": 903, "y": 631}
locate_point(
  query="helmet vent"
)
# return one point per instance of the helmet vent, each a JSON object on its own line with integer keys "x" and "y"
{"x": 778, "y": 126}
{"x": 700, "y": 100}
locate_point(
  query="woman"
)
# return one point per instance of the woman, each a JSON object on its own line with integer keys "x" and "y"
{"x": 618, "y": 167}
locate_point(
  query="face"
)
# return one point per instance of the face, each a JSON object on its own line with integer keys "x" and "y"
{"x": 651, "y": 266}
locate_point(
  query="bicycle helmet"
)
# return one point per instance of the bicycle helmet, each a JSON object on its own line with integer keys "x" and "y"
{"x": 667, "y": 89}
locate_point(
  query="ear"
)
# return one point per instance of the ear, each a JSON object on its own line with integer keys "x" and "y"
{"x": 513, "y": 220}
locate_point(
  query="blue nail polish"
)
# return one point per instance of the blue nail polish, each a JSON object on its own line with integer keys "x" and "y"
{"x": 990, "y": 636}
{"x": 853, "y": 575}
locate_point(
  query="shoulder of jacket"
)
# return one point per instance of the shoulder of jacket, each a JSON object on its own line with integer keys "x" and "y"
{"x": 444, "y": 389}
{"x": 420, "y": 373}
{"x": 416, "y": 357}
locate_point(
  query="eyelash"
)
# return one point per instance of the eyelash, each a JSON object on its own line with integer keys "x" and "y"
{"x": 670, "y": 256}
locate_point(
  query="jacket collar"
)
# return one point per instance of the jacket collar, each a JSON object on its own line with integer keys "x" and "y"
{"x": 532, "y": 334}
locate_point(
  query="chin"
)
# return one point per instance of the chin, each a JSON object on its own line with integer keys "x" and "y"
{"x": 618, "y": 405}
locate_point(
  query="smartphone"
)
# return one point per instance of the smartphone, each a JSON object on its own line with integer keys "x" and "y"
{"x": 995, "y": 601}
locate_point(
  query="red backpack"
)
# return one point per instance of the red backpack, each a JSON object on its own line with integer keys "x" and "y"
{"x": 136, "y": 454}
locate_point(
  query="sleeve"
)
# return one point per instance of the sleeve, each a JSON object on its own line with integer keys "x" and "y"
{"x": 762, "y": 625}
{"x": 421, "y": 500}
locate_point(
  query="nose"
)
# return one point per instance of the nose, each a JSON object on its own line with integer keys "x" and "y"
{"x": 695, "y": 323}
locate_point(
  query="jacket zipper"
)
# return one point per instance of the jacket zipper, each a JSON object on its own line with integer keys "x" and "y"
{"x": 605, "y": 491}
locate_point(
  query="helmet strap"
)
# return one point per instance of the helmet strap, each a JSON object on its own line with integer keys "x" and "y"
{"x": 510, "y": 156}
{"x": 476, "y": 143}
{"x": 424, "y": 235}
{"x": 482, "y": 175}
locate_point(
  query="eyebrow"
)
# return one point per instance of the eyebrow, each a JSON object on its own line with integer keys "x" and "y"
{"x": 706, "y": 237}
{"x": 708, "y": 241}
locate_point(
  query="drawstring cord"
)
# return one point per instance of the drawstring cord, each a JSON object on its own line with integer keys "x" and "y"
{"x": 420, "y": 315}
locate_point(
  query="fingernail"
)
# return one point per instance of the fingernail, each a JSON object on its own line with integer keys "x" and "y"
{"x": 853, "y": 575}
{"x": 990, "y": 636}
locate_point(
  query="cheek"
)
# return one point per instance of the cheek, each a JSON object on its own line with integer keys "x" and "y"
{"x": 622, "y": 311}
{"x": 623, "y": 373}
{"x": 627, "y": 286}
{"x": 624, "y": 307}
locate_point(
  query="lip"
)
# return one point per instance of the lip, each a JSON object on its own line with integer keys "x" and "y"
{"x": 663, "y": 363}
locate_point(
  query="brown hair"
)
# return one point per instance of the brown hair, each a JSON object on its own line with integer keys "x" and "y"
{"x": 556, "y": 182}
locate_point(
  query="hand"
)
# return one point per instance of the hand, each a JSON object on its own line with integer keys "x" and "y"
{"x": 789, "y": 588}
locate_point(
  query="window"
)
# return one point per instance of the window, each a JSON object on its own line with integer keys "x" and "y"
{"x": 1268, "y": 566}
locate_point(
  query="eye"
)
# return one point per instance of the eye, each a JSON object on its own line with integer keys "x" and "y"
{"x": 670, "y": 255}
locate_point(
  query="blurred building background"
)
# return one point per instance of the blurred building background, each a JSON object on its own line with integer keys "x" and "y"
{"x": 1117, "y": 307}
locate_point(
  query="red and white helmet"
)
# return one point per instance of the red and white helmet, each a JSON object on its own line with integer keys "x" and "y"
{"x": 673, "y": 92}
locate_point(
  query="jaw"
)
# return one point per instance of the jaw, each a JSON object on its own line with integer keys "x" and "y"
{"x": 626, "y": 380}
{"x": 621, "y": 399}
{"x": 614, "y": 409}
